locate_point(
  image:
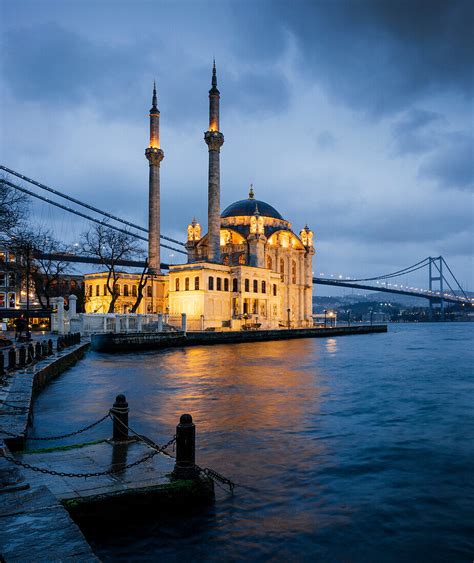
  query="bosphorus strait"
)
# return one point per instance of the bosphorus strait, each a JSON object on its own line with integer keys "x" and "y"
{"x": 349, "y": 449}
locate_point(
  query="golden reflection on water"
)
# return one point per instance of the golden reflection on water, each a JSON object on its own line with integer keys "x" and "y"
{"x": 240, "y": 386}
{"x": 331, "y": 345}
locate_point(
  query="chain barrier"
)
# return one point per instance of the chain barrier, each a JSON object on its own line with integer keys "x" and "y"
{"x": 215, "y": 476}
{"x": 13, "y": 406}
{"x": 75, "y": 433}
{"x": 110, "y": 471}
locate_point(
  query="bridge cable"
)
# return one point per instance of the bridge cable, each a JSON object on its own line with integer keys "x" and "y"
{"x": 455, "y": 279}
{"x": 406, "y": 270}
{"x": 80, "y": 214}
{"x": 91, "y": 207}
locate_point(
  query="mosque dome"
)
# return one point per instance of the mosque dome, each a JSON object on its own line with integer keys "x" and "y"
{"x": 247, "y": 207}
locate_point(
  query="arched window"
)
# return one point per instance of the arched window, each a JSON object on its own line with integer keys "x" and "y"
{"x": 226, "y": 284}
{"x": 89, "y": 291}
{"x": 235, "y": 285}
{"x": 186, "y": 284}
{"x": 211, "y": 283}
{"x": 226, "y": 260}
{"x": 247, "y": 285}
{"x": 176, "y": 284}
{"x": 274, "y": 289}
{"x": 149, "y": 291}
{"x": 269, "y": 262}
{"x": 264, "y": 286}
{"x": 105, "y": 289}
{"x": 125, "y": 290}
{"x": 117, "y": 289}
{"x": 134, "y": 290}
{"x": 255, "y": 286}
{"x": 293, "y": 272}
{"x": 282, "y": 266}
{"x": 219, "y": 284}
{"x": 196, "y": 283}
{"x": 242, "y": 259}
{"x": 97, "y": 290}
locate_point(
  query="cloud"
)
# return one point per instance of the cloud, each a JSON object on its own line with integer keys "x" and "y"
{"x": 326, "y": 140}
{"x": 417, "y": 132}
{"x": 452, "y": 167}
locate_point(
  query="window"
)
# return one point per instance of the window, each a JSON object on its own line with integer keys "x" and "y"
{"x": 235, "y": 285}
{"x": 125, "y": 290}
{"x": 149, "y": 291}
{"x": 219, "y": 284}
{"x": 226, "y": 284}
{"x": 282, "y": 266}
{"x": 105, "y": 289}
{"x": 255, "y": 286}
{"x": 11, "y": 300}
{"x": 97, "y": 290}
{"x": 255, "y": 307}
{"x": 89, "y": 291}
{"x": 269, "y": 262}
{"x": 117, "y": 289}
{"x": 11, "y": 279}
{"x": 226, "y": 260}
{"x": 196, "y": 283}
{"x": 176, "y": 284}
{"x": 264, "y": 287}
{"x": 211, "y": 283}
{"x": 274, "y": 289}
{"x": 3, "y": 279}
{"x": 3, "y": 258}
{"x": 293, "y": 272}
{"x": 2, "y": 300}
{"x": 134, "y": 290}
{"x": 242, "y": 259}
{"x": 247, "y": 285}
{"x": 186, "y": 284}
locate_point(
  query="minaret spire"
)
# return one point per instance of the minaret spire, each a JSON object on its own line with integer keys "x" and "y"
{"x": 214, "y": 140}
{"x": 154, "y": 155}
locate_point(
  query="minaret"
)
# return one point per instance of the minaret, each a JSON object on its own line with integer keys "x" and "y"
{"x": 154, "y": 155}
{"x": 214, "y": 140}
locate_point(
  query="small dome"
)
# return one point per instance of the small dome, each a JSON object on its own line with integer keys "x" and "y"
{"x": 246, "y": 208}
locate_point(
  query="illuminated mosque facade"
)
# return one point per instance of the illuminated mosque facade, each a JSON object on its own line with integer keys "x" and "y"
{"x": 249, "y": 269}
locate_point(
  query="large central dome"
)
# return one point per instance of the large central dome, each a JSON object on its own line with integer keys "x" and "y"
{"x": 247, "y": 207}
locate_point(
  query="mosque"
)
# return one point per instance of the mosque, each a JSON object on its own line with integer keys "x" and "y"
{"x": 249, "y": 270}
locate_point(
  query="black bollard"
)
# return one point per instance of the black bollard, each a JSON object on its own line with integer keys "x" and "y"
{"x": 50, "y": 347}
{"x": 119, "y": 414}
{"x": 59, "y": 344}
{"x": 31, "y": 353}
{"x": 38, "y": 353}
{"x": 2, "y": 364}
{"x": 185, "y": 467}
{"x": 44, "y": 348}
{"x": 22, "y": 356}
{"x": 11, "y": 358}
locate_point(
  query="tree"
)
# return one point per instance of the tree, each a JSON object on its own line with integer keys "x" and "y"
{"x": 110, "y": 247}
{"x": 141, "y": 286}
{"x": 13, "y": 208}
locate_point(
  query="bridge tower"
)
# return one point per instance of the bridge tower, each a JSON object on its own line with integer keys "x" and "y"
{"x": 155, "y": 155}
{"x": 436, "y": 277}
{"x": 214, "y": 140}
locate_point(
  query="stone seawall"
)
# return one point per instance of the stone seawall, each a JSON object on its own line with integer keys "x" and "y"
{"x": 145, "y": 341}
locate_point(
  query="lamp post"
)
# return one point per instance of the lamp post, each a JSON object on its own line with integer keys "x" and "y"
{"x": 28, "y": 268}
{"x": 325, "y": 317}
{"x": 288, "y": 313}
{"x": 371, "y": 316}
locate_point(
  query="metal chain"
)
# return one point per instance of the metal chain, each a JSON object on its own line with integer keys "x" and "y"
{"x": 71, "y": 433}
{"x": 215, "y": 476}
{"x": 13, "y": 406}
{"x": 110, "y": 471}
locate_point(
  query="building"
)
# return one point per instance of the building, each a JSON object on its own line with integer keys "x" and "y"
{"x": 249, "y": 270}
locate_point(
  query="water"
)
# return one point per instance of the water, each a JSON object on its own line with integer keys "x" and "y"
{"x": 360, "y": 448}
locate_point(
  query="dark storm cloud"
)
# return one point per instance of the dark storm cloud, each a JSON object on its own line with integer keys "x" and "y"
{"x": 53, "y": 65}
{"x": 416, "y": 132}
{"x": 452, "y": 167}
{"x": 376, "y": 55}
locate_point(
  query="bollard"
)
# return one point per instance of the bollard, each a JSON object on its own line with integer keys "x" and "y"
{"x": 31, "y": 354}
{"x": 50, "y": 347}
{"x": 22, "y": 356}
{"x": 2, "y": 364}
{"x": 44, "y": 348}
{"x": 185, "y": 467}
{"x": 12, "y": 358}
{"x": 38, "y": 353}
{"x": 59, "y": 344}
{"x": 119, "y": 414}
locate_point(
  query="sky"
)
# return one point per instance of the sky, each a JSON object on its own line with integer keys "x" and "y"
{"x": 355, "y": 117}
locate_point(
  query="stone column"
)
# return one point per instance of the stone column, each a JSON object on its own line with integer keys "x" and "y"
{"x": 154, "y": 156}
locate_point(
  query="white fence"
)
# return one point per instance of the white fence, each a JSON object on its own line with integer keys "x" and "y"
{"x": 63, "y": 322}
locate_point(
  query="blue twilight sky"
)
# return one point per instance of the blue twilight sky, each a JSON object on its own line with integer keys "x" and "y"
{"x": 353, "y": 116}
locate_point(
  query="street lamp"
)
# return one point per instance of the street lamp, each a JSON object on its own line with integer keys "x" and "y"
{"x": 325, "y": 317}
{"x": 288, "y": 312}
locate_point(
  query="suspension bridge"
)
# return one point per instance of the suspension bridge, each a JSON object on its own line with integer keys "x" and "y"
{"x": 443, "y": 286}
